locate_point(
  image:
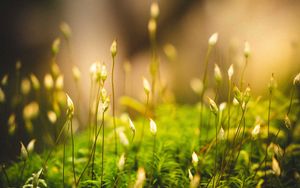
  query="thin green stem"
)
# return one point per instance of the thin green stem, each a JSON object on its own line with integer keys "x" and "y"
{"x": 291, "y": 101}
{"x": 63, "y": 165}
{"x": 204, "y": 88}
{"x": 73, "y": 151}
{"x": 5, "y": 174}
{"x": 145, "y": 117}
{"x": 102, "y": 157}
{"x": 243, "y": 73}
{"x": 55, "y": 144}
{"x": 154, "y": 66}
{"x": 216, "y": 151}
{"x": 90, "y": 112}
{"x": 228, "y": 122}
{"x": 95, "y": 129}
{"x": 113, "y": 105}
{"x": 268, "y": 139}
{"x": 153, "y": 158}
{"x": 23, "y": 168}
{"x": 92, "y": 151}
{"x": 233, "y": 143}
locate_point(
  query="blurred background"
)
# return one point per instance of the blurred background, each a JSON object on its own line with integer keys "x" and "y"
{"x": 28, "y": 28}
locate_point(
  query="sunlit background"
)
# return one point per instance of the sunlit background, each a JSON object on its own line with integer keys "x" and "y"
{"x": 27, "y": 30}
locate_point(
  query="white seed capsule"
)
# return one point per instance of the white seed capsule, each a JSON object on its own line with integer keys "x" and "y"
{"x": 113, "y": 48}
{"x": 247, "y": 49}
{"x": 297, "y": 79}
{"x": 195, "y": 158}
{"x": 213, "y": 39}
{"x": 153, "y": 127}
{"x": 70, "y": 105}
{"x": 147, "y": 87}
{"x": 154, "y": 10}
{"x": 48, "y": 82}
{"x": 230, "y": 72}
{"x": 76, "y": 73}
{"x": 217, "y": 73}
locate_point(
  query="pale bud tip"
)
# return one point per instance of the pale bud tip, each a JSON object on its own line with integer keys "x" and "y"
{"x": 153, "y": 128}
{"x": 247, "y": 49}
{"x": 230, "y": 71}
{"x": 297, "y": 79}
{"x": 146, "y": 85}
{"x": 154, "y": 10}
{"x": 195, "y": 158}
{"x": 113, "y": 48}
{"x": 70, "y": 105}
{"x": 213, "y": 39}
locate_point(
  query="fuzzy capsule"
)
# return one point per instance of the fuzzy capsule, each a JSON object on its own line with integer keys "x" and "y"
{"x": 24, "y": 152}
{"x": 55, "y": 70}
{"x": 55, "y": 46}
{"x": 105, "y": 104}
{"x": 123, "y": 138}
{"x": 35, "y": 82}
{"x": 170, "y": 51}
{"x": 247, "y": 95}
{"x": 238, "y": 94}
{"x": 190, "y": 175}
{"x": 213, "y": 39}
{"x": 222, "y": 106}
{"x": 247, "y": 49}
{"x": 66, "y": 30}
{"x": 195, "y": 159}
{"x": 276, "y": 167}
{"x": 230, "y": 72}
{"x": 217, "y": 74}
{"x": 154, "y": 10}
{"x": 121, "y": 162}
{"x": 25, "y": 86}
{"x": 147, "y": 87}
{"x": 272, "y": 84}
{"x": 59, "y": 83}
{"x": 70, "y": 106}
{"x": 95, "y": 71}
{"x": 141, "y": 177}
{"x": 256, "y": 130}
{"x": 4, "y": 80}
{"x": 195, "y": 181}
{"x": 197, "y": 85}
{"x": 297, "y": 80}
{"x": 48, "y": 82}
{"x": 103, "y": 73}
{"x": 31, "y": 111}
{"x": 287, "y": 121}
{"x": 213, "y": 106}
{"x": 30, "y": 145}
{"x": 221, "y": 135}
{"x": 2, "y": 96}
{"x": 52, "y": 116}
{"x": 113, "y": 48}
{"x": 12, "y": 124}
{"x": 153, "y": 127}
{"x": 131, "y": 125}
{"x": 76, "y": 73}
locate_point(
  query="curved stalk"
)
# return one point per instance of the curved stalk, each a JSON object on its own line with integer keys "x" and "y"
{"x": 113, "y": 104}
{"x": 73, "y": 152}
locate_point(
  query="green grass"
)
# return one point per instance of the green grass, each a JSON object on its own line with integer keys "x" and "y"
{"x": 177, "y": 138}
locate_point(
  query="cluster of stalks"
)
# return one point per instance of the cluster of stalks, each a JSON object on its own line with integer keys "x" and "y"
{"x": 230, "y": 132}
